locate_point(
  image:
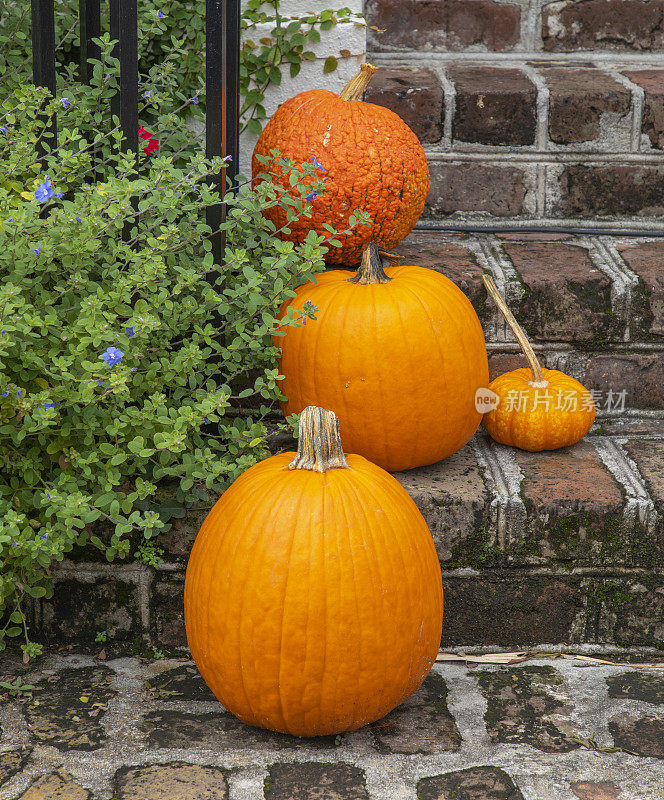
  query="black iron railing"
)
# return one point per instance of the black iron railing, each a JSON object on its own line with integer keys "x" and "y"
{"x": 222, "y": 76}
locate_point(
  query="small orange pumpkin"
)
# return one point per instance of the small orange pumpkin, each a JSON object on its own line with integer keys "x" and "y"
{"x": 372, "y": 161}
{"x": 538, "y": 409}
{"x": 396, "y": 353}
{"x": 313, "y": 595}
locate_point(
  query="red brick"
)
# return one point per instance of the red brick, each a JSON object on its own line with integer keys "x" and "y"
{"x": 500, "y": 363}
{"x": 640, "y": 375}
{"x": 56, "y": 786}
{"x": 311, "y": 780}
{"x": 652, "y": 82}
{"x": 575, "y": 510}
{"x": 509, "y": 609}
{"x": 632, "y": 426}
{"x": 416, "y": 95}
{"x": 589, "y": 790}
{"x": 629, "y": 611}
{"x": 603, "y": 24}
{"x": 578, "y": 98}
{"x": 540, "y": 236}
{"x": 472, "y": 783}
{"x": 453, "y": 500}
{"x": 643, "y": 736}
{"x": 588, "y": 190}
{"x": 444, "y": 24}
{"x": 167, "y": 611}
{"x": 571, "y": 478}
{"x": 494, "y": 105}
{"x": 649, "y": 458}
{"x": 567, "y": 297}
{"x": 646, "y": 259}
{"x": 492, "y": 189}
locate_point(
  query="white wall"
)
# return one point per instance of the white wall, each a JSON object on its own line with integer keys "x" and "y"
{"x": 344, "y": 36}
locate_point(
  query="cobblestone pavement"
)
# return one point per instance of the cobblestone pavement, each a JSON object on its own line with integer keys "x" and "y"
{"x": 133, "y": 729}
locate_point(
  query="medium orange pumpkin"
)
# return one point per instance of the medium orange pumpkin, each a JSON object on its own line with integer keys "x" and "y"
{"x": 396, "y": 353}
{"x": 538, "y": 409}
{"x": 313, "y": 595}
{"x": 372, "y": 162}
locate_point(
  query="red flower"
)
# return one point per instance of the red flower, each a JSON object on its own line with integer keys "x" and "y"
{"x": 152, "y": 144}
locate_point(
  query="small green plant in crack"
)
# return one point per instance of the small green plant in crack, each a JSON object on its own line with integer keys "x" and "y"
{"x": 161, "y": 691}
{"x": 150, "y": 554}
{"x": 591, "y": 744}
{"x": 101, "y": 636}
{"x": 17, "y": 689}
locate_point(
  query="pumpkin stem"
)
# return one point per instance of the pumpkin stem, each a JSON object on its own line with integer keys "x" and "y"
{"x": 371, "y": 267}
{"x": 538, "y": 380}
{"x": 319, "y": 446}
{"x": 358, "y": 83}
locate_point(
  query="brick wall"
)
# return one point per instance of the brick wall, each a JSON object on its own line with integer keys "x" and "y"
{"x": 549, "y": 111}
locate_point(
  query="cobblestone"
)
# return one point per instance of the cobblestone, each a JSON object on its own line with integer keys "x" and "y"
{"x": 484, "y": 732}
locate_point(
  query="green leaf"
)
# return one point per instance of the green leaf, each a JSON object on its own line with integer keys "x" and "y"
{"x": 255, "y": 126}
{"x": 330, "y": 64}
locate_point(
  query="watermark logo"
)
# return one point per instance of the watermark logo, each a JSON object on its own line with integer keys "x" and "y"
{"x": 526, "y": 400}
{"x": 486, "y": 400}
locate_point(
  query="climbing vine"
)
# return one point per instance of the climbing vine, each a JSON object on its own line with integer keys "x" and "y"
{"x": 273, "y": 45}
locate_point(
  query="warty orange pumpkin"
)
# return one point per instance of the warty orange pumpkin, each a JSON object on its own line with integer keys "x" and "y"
{"x": 313, "y": 594}
{"x": 397, "y": 353}
{"x": 538, "y": 409}
{"x": 372, "y": 161}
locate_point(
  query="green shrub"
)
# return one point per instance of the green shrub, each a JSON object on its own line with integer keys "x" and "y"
{"x": 173, "y": 32}
{"x": 122, "y": 362}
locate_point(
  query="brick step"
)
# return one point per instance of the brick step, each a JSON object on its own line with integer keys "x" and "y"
{"x": 559, "y": 547}
{"x": 565, "y": 546}
{"x": 592, "y": 306}
{"x": 532, "y": 138}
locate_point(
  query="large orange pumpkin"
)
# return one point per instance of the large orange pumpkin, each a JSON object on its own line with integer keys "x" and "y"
{"x": 313, "y": 596}
{"x": 397, "y": 353}
{"x": 538, "y": 409}
{"x": 372, "y": 162}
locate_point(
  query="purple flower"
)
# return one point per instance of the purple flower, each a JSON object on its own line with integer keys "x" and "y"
{"x": 147, "y": 93}
{"x": 227, "y": 158}
{"x": 194, "y": 100}
{"x": 133, "y": 369}
{"x": 317, "y": 164}
{"x": 44, "y": 191}
{"x": 59, "y": 195}
{"x": 160, "y": 14}
{"x": 45, "y": 535}
{"x": 130, "y": 331}
{"x": 5, "y": 393}
{"x": 19, "y": 392}
{"x": 311, "y": 195}
{"x": 15, "y": 544}
{"x": 78, "y": 219}
{"x": 3, "y": 129}
{"x": 64, "y": 101}
{"x": 100, "y": 383}
{"x": 50, "y": 405}
{"x": 2, "y": 334}
{"x": 38, "y": 250}
{"x": 112, "y": 356}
